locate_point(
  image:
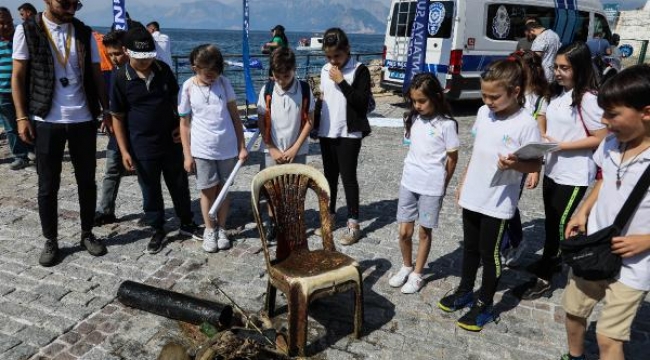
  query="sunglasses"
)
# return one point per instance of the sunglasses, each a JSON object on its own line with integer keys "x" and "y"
{"x": 67, "y": 4}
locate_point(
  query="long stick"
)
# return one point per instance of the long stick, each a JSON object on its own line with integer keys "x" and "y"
{"x": 226, "y": 187}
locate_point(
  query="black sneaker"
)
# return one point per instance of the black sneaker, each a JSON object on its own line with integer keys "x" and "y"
{"x": 191, "y": 229}
{"x": 539, "y": 289}
{"x": 479, "y": 315}
{"x": 93, "y": 245}
{"x": 156, "y": 242}
{"x": 49, "y": 254}
{"x": 103, "y": 218}
{"x": 456, "y": 301}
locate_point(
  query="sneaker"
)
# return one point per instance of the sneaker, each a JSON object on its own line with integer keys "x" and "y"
{"x": 31, "y": 156}
{"x": 93, "y": 245}
{"x": 478, "y": 315}
{"x": 319, "y": 232}
{"x": 514, "y": 256}
{"x": 19, "y": 163}
{"x": 49, "y": 253}
{"x": 209, "y": 241}
{"x": 156, "y": 242}
{"x": 539, "y": 289}
{"x": 190, "y": 229}
{"x": 413, "y": 284}
{"x": 351, "y": 236}
{"x": 400, "y": 278}
{"x": 271, "y": 232}
{"x": 103, "y": 218}
{"x": 456, "y": 301}
{"x": 222, "y": 239}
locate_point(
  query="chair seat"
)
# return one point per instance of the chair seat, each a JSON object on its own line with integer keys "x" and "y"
{"x": 315, "y": 270}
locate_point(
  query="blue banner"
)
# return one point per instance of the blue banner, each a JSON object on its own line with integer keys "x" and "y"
{"x": 418, "y": 44}
{"x": 119, "y": 15}
{"x": 251, "y": 98}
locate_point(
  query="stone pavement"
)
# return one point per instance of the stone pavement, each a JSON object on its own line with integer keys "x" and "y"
{"x": 70, "y": 311}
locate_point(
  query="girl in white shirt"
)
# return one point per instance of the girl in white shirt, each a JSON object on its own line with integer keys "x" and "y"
{"x": 623, "y": 157}
{"x": 428, "y": 167}
{"x": 573, "y": 122}
{"x": 489, "y": 192}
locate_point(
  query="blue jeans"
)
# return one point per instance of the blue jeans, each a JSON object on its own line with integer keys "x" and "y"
{"x": 112, "y": 175}
{"x": 170, "y": 166}
{"x": 18, "y": 148}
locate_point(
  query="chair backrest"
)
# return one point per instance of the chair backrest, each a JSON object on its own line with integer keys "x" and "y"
{"x": 285, "y": 188}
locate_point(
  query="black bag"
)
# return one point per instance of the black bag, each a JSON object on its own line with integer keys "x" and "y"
{"x": 590, "y": 256}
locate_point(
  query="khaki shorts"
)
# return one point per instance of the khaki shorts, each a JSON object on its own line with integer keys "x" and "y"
{"x": 620, "y": 307}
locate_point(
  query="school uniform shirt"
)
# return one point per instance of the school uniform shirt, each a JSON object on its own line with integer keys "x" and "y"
{"x": 494, "y": 137}
{"x": 563, "y": 123}
{"x": 534, "y": 105}
{"x": 286, "y": 115}
{"x": 212, "y": 131}
{"x": 424, "y": 166}
{"x": 69, "y": 102}
{"x": 635, "y": 271}
{"x": 333, "y": 120}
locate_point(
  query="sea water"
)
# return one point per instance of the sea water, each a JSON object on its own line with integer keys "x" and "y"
{"x": 229, "y": 42}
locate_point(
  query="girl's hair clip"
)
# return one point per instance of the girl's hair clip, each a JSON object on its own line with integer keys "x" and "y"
{"x": 511, "y": 58}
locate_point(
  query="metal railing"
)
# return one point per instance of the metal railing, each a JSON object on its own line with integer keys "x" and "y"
{"x": 308, "y": 66}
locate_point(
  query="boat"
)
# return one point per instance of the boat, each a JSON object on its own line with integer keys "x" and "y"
{"x": 315, "y": 43}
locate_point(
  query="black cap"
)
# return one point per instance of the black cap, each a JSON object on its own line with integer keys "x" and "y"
{"x": 140, "y": 44}
{"x": 278, "y": 27}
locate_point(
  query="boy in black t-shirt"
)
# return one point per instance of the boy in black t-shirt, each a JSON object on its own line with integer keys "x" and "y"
{"x": 144, "y": 109}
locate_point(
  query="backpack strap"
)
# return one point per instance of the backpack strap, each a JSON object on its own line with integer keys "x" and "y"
{"x": 306, "y": 92}
{"x": 268, "y": 95}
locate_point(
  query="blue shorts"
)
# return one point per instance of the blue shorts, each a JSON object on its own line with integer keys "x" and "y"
{"x": 423, "y": 208}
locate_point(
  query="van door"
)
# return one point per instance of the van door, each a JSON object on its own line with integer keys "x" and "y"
{"x": 398, "y": 33}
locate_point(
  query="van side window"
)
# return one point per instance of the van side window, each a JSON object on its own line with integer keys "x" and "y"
{"x": 601, "y": 25}
{"x": 508, "y": 22}
{"x": 441, "y": 19}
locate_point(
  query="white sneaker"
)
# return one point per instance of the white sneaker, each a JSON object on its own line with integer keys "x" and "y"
{"x": 413, "y": 284}
{"x": 209, "y": 241}
{"x": 399, "y": 279}
{"x": 223, "y": 242}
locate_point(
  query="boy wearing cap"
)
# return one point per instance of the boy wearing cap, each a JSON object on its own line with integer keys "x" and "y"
{"x": 145, "y": 118}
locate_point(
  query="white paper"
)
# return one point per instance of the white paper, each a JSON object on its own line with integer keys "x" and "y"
{"x": 535, "y": 150}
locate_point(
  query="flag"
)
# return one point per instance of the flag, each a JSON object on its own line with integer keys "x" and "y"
{"x": 119, "y": 15}
{"x": 415, "y": 62}
{"x": 250, "y": 91}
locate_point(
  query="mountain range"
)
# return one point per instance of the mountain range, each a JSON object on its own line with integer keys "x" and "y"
{"x": 367, "y": 17}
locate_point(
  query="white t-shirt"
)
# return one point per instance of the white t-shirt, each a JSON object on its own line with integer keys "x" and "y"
{"x": 333, "y": 120}
{"x": 548, "y": 43}
{"x": 286, "y": 115}
{"x": 494, "y": 137}
{"x": 563, "y": 123}
{"x": 163, "y": 47}
{"x": 69, "y": 103}
{"x": 212, "y": 133}
{"x": 424, "y": 166}
{"x": 635, "y": 272}
{"x": 532, "y": 106}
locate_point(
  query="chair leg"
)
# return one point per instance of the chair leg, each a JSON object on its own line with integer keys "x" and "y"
{"x": 298, "y": 314}
{"x": 269, "y": 303}
{"x": 358, "y": 309}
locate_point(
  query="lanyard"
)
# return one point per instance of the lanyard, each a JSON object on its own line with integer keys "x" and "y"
{"x": 62, "y": 59}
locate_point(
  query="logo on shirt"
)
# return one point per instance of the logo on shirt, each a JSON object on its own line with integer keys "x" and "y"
{"x": 509, "y": 142}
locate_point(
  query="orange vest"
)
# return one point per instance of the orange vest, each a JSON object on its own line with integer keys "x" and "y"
{"x": 106, "y": 64}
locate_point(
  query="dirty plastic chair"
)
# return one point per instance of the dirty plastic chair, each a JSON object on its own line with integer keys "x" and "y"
{"x": 300, "y": 273}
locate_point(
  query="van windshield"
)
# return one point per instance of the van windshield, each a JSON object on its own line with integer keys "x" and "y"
{"x": 441, "y": 16}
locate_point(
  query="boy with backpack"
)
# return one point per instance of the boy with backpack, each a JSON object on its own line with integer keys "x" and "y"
{"x": 286, "y": 113}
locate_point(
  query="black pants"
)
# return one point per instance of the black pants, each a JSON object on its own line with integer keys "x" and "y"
{"x": 340, "y": 156}
{"x": 50, "y": 146}
{"x": 170, "y": 166}
{"x": 560, "y": 201}
{"x": 482, "y": 240}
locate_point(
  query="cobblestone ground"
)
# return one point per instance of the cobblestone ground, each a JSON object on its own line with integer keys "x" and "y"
{"x": 70, "y": 311}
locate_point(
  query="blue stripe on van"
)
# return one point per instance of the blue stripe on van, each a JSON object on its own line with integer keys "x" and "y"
{"x": 470, "y": 63}
{"x": 571, "y": 28}
{"x": 561, "y": 19}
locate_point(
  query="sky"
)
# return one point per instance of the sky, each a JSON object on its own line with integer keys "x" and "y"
{"x": 106, "y": 5}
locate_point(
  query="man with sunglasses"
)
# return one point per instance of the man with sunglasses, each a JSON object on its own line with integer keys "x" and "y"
{"x": 58, "y": 92}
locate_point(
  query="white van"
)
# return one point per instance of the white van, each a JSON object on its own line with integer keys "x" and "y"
{"x": 466, "y": 35}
